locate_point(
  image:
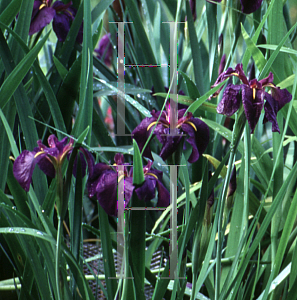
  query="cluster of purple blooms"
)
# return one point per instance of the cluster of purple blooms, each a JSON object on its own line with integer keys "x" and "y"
{"x": 103, "y": 178}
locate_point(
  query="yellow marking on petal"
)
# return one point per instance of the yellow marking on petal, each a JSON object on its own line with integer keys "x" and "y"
{"x": 192, "y": 124}
{"x": 151, "y": 125}
{"x": 254, "y": 93}
{"x": 154, "y": 175}
{"x": 12, "y": 158}
{"x": 38, "y": 153}
{"x": 42, "y": 6}
{"x": 121, "y": 177}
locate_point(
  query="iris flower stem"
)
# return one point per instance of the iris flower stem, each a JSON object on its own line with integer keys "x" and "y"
{"x": 59, "y": 202}
{"x": 236, "y": 135}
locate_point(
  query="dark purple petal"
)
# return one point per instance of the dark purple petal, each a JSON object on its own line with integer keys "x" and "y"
{"x": 241, "y": 75}
{"x": 197, "y": 139}
{"x": 222, "y": 64}
{"x": 252, "y": 107}
{"x": 59, "y": 6}
{"x": 106, "y": 191}
{"x": 61, "y": 26}
{"x": 104, "y": 49}
{"x": 23, "y": 168}
{"x": 250, "y": 6}
{"x": 228, "y": 73}
{"x": 129, "y": 188}
{"x": 230, "y": 101}
{"x": 147, "y": 191}
{"x": 46, "y": 166}
{"x": 98, "y": 170}
{"x": 267, "y": 80}
{"x": 86, "y": 159}
{"x": 163, "y": 195}
{"x": 281, "y": 96}
{"x": 270, "y": 109}
{"x": 119, "y": 159}
{"x": 41, "y": 19}
{"x": 141, "y": 134}
{"x": 170, "y": 144}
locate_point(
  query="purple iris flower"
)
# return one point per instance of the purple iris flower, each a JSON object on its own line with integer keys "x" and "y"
{"x": 61, "y": 14}
{"x": 104, "y": 49}
{"x": 196, "y": 130}
{"x": 104, "y": 180}
{"x": 253, "y": 95}
{"x": 48, "y": 159}
{"x": 247, "y": 6}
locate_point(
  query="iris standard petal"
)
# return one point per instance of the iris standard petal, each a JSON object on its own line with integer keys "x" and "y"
{"x": 41, "y": 19}
{"x": 23, "y": 168}
{"x": 253, "y": 101}
{"x": 230, "y": 101}
{"x": 170, "y": 144}
{"x": 250, "y": 6}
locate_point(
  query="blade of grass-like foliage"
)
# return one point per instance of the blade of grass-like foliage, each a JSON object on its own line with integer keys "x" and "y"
{"x": 242, "y": 269}
{"x": 138, "y": 176}
{"x": 142, "y": 39}
{"x": 99, "y": 9}
{"x": 137, "y": 245}
{"x": 197, "y": 59}
{"x": 10, "y": 12}
{"x": 282, "y": 49}
{"x": 191, "y": 87}
{"x": 85, "y": 113}
{"x": 134, "y": 103}
{"x": 21, "y": 28}
{"x": 109, "y": 268}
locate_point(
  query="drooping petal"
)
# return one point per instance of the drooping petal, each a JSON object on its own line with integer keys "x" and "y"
{"x": 250, "y": 6}
{"x": 281, "y": 96}
{"x": 252, "y": 107}
{"x": 198, "y": 137}
{"x": 46, "y": 166}
{"x": 230, "y": 101}
{"x": 147, "y": 191}
{"x": 270, "y": 109}
{"x": 106, "y": 191}
{"x": 141, "y": 134}
{"x": 41, "y": 19}
{"x": 23, "y": 168}
{"x": 228, "y": 73}
{"x": 170, "y": 144}
{"x": 98, "y": 170}
{"x": 163, "y": 195}
{"x": 86, "y": 159}
{"x": 61, "y": 26}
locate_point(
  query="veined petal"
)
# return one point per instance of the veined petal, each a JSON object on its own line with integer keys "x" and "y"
{"x": 197, "y": 139}
{"x": 147, "y": 191}
{"x": 141, "y": 134}
{"x": 23, "y": 168}
{"x": 230, "y": 101}
{"x": 43, "y": 17}
{"x": 253, "y": 101}
{"x": 170, "y": 144}
{"x": 281, "y": 96}
{"x": 270, "y": 109}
